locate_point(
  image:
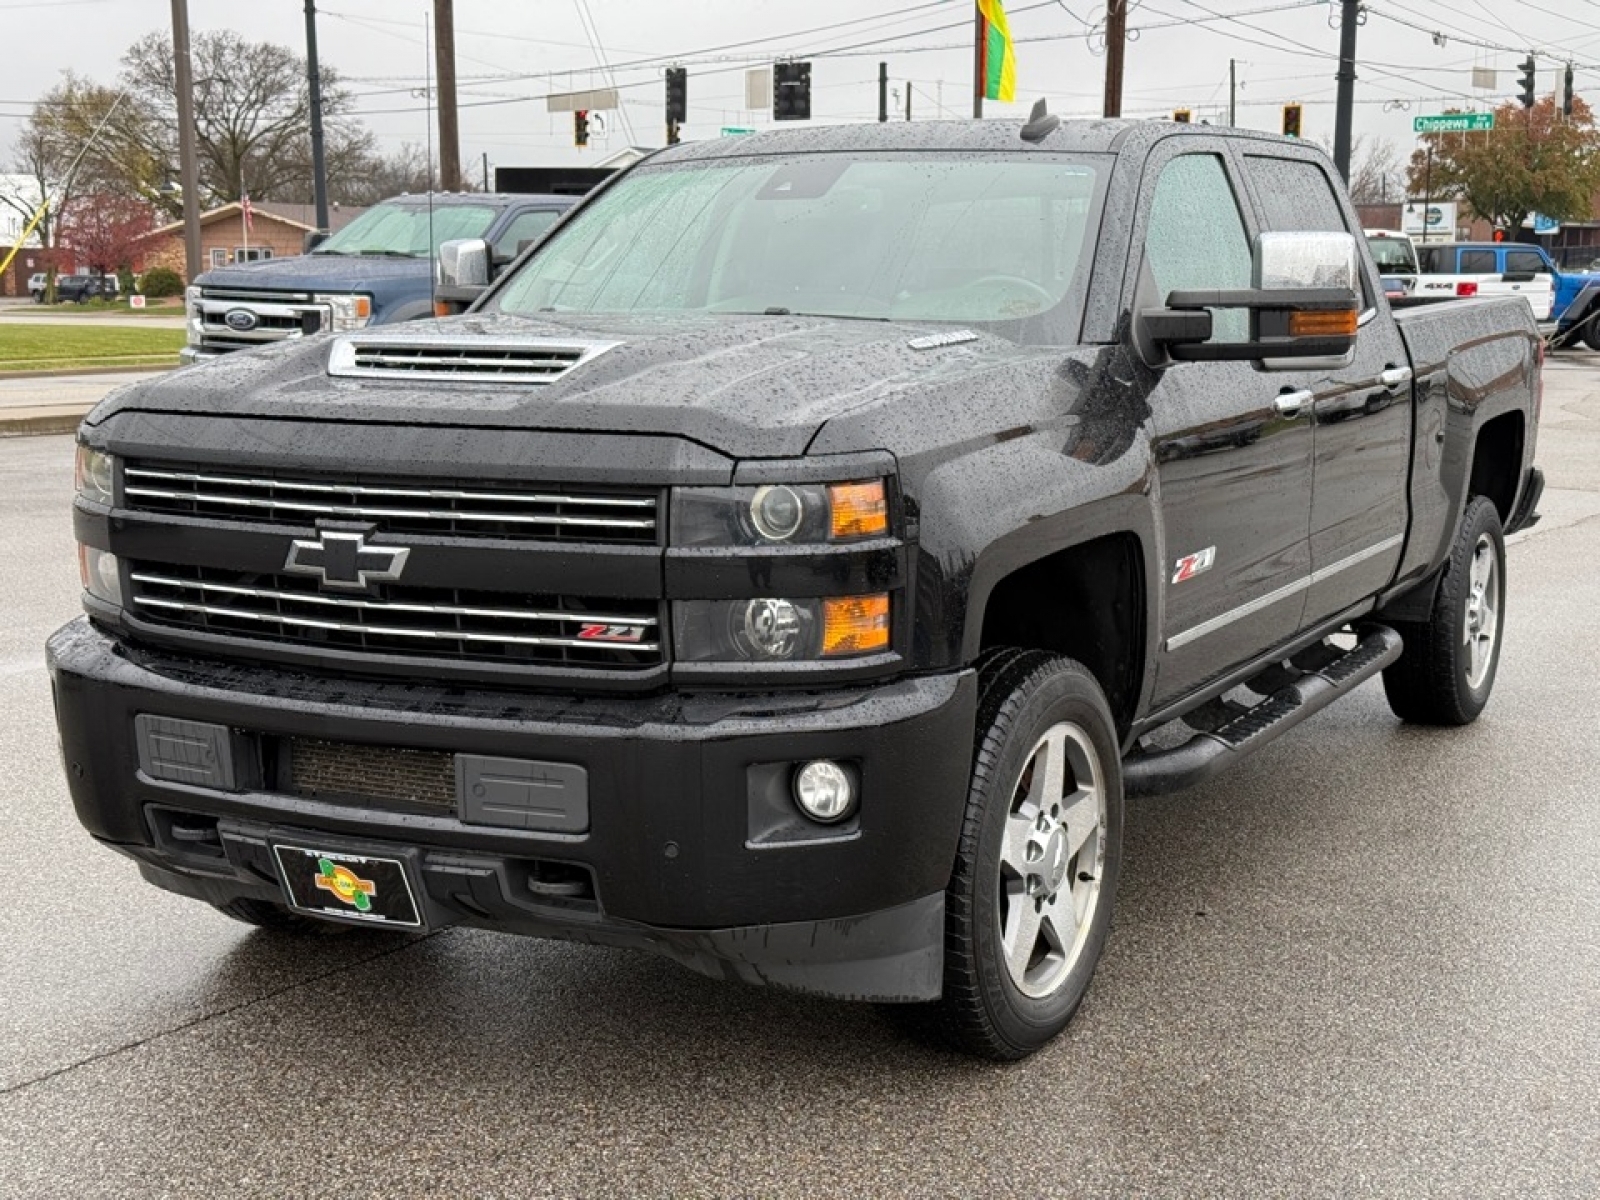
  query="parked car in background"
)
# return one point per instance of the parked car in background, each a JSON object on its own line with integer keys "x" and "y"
{"x": 1396, "y": 258}
{"x": 37, "y": 283}
{"x": 80, "y": 289}
{"x": 378, "y": 270}
{"x": 1567, "y": 300}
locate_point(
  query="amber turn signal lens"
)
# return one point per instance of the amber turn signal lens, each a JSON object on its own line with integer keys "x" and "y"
{"x": 441, "y": 308}
{"x": 859, "y": 509}
{"x": 1338, "y": 323}
{"x": 855, "y": 625}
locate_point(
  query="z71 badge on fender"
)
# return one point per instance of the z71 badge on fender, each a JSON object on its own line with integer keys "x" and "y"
{"x": 1191, "y": 565}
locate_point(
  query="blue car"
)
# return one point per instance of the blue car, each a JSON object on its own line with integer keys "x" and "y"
{"x": 1576, "y": 306}
{"x": 378, "y": 270}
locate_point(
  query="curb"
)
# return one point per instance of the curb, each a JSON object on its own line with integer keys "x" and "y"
{"x": 68, "y": 374}
{"x": 37, "y": 424}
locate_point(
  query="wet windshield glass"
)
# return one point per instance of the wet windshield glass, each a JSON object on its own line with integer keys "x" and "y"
{"x": 974, "y": 240}
{"x": 401, "y": 230}
{"x": 1393, "y": 256}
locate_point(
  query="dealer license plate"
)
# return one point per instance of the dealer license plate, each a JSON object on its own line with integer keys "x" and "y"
{"x": 354, "y": 887}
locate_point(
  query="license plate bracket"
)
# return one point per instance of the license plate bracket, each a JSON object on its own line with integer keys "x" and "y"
{"x": 347, "y": 885}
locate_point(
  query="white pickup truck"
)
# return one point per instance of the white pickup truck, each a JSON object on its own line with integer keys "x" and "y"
{"x": 1463, "y": 269}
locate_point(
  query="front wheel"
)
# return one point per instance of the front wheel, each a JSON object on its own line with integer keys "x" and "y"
{"x": 1029, "y": 902}
{"x": 1447, "y": 670}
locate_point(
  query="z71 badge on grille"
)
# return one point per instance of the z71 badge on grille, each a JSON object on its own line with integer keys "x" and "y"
{"x": 344, "y": 561}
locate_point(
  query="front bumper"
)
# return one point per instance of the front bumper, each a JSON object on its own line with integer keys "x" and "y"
{"x": 675, "y": 846}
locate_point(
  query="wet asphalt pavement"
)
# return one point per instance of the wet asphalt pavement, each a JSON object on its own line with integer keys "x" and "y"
{"x": 1367, "y": 962}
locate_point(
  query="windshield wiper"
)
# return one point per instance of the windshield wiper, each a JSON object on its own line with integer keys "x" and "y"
{"x": 373, "y": 253}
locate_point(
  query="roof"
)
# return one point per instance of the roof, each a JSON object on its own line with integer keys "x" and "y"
{"x": 1084, "y": 136}
{"x": 449, "y": 199}
{"x": 299, "y": 216}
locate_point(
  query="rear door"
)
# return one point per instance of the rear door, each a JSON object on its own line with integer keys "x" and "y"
{"x": 1528, "y": 274}
{"x": 1360, "y": 414}
{"x": 1234, "y": 474}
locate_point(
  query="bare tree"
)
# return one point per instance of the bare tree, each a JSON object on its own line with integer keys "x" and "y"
{"x": 42, "y": 161}
{"x": 1376, "y": 173}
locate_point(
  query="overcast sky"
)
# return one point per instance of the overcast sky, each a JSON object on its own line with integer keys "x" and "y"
{"x": 514, "y": 52}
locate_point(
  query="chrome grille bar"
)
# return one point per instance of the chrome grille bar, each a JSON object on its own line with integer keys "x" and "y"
{"x": 347, "y": 510}
{"x": 500, "y": 614}
{"x": 364, "y": 490}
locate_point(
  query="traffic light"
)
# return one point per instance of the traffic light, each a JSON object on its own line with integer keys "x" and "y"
{"x": 580, "y": 127}
{"x": 1291, "y": 120}
{"x": 791, "y": 91}
{"x": 1181, "y": 115}
{"x": 677, "y": 95}
{"x": 1526, "y": 80}
{"x": 1566, "y": 93}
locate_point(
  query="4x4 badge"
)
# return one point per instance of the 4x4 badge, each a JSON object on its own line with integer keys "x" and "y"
{"x": 346, "y": 885}
{"x": 345, "y": 561}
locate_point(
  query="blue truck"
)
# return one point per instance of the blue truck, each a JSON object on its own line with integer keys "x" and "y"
{"x": 1575, "y": 310}
{"x": 378, "y": 270}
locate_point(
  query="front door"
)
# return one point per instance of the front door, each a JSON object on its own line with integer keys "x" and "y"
{"x": 1232, "y": 445}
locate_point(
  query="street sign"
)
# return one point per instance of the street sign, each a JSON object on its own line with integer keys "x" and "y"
{"x": 732, "y": 130}
{"x": 1453, "y": 123}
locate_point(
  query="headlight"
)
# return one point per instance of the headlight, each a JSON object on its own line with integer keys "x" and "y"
{"x": 94, "y": 474}
{"x": 191, "y": 314}
{"x": 101, "y": 574}
{"x": 771, "y": 629}
{"x": 779, "y": 513}
{"x": 348, "y": 312}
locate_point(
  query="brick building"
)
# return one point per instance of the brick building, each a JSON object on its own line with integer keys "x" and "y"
{"x": 277, "y": 231}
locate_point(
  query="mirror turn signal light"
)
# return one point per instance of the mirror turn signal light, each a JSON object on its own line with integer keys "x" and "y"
{"x": 855, "y": 625}
{"x": 858, "y": 509}
{"x": 1323, "y": 323}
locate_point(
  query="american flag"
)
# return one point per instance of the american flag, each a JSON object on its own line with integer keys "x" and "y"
{"x": 249, "y": 213}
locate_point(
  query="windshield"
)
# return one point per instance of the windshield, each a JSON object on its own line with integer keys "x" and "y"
{"x": 1393, "y": 256}
{"x": 401, "y": 230}
{"x": 976, "y": 239}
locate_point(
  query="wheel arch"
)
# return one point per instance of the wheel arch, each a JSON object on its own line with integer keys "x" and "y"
{"x": 1497, "y": 462}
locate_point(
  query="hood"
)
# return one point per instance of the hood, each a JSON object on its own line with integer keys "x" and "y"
{"x": 316, "y": 272}
{"x": 750, "y": 387}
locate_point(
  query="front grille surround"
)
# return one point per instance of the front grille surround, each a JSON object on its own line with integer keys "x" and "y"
{"x": 531, "y": 512}
{"x": 404, "y": 621}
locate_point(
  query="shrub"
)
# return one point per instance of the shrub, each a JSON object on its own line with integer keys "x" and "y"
{"x": 161, "y": 282}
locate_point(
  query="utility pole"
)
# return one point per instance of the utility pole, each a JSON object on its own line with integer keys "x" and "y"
{"x": 486, "y": 170}
{"x": 444, "y": 48}
{"x": 980, "y": 68}
{"x": 319, "y": 162}
{"x": 908, "y": 99}
{"x": 1116, "y": 42}
{"x": 1349, "y": 18}
{"x": 1233, "y": 94}
{"x": 883, "y": 91}
{"x": 188, "y": 166}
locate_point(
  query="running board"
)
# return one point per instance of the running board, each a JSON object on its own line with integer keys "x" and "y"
{"x": 1207, "y": 754}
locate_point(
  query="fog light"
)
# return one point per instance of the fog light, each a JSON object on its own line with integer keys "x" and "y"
{"x": 823, "y": 791}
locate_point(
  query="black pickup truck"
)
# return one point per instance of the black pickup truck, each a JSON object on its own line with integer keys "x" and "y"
{"x": 793, "y": 561}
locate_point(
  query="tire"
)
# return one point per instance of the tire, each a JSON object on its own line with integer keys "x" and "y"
{"x": 1591, "y": 333}
{"x": 266, "y": 915}
{"x": 1021, "y": 945}
{"x": 1447, "y": 670}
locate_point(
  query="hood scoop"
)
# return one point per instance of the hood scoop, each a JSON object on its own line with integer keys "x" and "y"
{"x": 431, "y": 356}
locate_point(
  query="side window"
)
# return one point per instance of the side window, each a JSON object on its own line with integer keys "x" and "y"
{"x": 524, "y": 227}
{"x": 1196, "y": 237}
{"x": 1295, "y": 195}
{"x": 1525, "y": 262}
{"x": 1478, "y": 262}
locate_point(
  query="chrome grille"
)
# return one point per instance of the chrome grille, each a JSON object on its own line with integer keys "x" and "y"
{"x": 531, "y": 513}
{"x": 430, "y": 356}
{"x": 439, "y": 623}
{"x": 279, "y": 315}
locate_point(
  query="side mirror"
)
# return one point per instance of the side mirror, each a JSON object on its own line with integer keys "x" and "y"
{"x": 464, "y": 263}
{"x": 462, "y": 275}
{"x": 1305, "y": 306}
{"x": 312, "y": 240}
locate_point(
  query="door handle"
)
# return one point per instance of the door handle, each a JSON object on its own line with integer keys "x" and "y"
{"x": 1292, "y": 404}
{"x": 1393, "y": 377}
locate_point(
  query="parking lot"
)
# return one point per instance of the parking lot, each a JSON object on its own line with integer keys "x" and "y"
{"x": 1367, "y": 962}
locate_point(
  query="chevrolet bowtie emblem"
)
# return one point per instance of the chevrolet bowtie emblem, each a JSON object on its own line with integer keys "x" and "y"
{"x": 345, "y": 561}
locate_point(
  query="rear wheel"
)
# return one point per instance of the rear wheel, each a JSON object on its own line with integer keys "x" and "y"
{"x": 1447, "y": 670}
{"x": 1029, "y": 902}
{"x": 1591, "y": 333}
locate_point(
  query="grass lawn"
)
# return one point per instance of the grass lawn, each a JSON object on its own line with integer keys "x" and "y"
{"x": 153, "y": 308}
{"x": 55, "y": 347}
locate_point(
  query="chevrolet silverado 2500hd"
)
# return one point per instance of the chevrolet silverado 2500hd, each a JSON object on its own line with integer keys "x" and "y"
{"x": 792, "y": 564}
